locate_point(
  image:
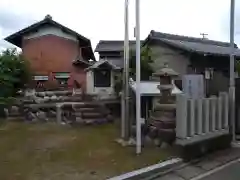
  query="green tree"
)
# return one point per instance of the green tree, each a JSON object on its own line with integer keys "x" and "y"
{"x": 14, "y": 72}
{"x": 237, "y": 64}
{"x": 146, "y": 60}
{"x": 146, "y": 69}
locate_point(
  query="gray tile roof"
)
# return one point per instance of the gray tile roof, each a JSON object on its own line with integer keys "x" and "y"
{"x": 100, "y": 62}
{"x": 198, "y": 45}
{"x": 117, "y": 61}
{"x": 108, "y": 45}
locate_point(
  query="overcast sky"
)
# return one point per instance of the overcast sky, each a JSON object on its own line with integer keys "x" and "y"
{"x": 103, "y": 19}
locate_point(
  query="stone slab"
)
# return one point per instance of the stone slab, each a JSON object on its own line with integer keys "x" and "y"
{"x": 228, "y": 155}
{"x": 230, "y": 172}
{"x": 169, "y": 177}
{"x": 202, "y": 165}
{"x": 208, "y": 164}
{"x": 189, "y": 172}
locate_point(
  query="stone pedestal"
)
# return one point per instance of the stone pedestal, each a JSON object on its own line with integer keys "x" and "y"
{"x": 162, "y": 121}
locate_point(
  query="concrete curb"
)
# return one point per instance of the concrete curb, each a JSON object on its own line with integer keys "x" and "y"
{"x": 150, "y": 170}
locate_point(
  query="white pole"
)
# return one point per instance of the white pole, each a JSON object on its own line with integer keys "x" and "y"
{"x": 127, "y": 120}
{"x": 232, "y": 74}
{"x": 123, "y": 94}
{"x": 138, "y": 75}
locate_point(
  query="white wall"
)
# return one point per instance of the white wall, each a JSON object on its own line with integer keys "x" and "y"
{"x": 105, "y": 92}
{"x": 50, "y": 31}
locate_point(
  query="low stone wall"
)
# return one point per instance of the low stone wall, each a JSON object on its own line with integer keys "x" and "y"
{"x": 54, "y": 96}
{"x": 76, "y": 108}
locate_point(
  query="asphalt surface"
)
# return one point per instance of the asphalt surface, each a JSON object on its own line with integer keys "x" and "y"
{"x": 231, "y": 172}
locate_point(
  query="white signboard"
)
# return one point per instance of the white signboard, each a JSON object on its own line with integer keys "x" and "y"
{"x": 193, "y": 86}
{"x": 40, "y": 78}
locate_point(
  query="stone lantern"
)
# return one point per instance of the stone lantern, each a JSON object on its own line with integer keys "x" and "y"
{"x": 163, "y": 116}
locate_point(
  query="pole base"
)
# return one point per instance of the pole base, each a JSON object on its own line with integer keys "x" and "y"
{"x": 235, "y": 144}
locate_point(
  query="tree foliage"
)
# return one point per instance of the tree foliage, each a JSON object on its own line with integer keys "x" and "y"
{"x": 237, "y": 64}
{"x": 146, "y": 69}
{"x": 14, "y": 72}
{"x": 146, "y": 60}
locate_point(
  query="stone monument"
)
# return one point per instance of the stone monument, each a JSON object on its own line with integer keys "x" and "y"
{"x": 163, "y": 116}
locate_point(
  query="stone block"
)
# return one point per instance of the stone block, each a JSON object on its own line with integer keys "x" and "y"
{"x": 109, "y": 118}
{"x": 46, "y": 98}
{"x": 92, "y": 115}
{"x": 14, "y": 110}
{"x": 39, "y": 100}
{"x": 89, "y": 121}
{"x": 153, "y": 132}
{"x": 167, "y": 135}
{"x": 31, "y": 116}
{"x": 52, "y": 114}
{"x": 101, "y": 121}
{"x": 6, "y": 112}
{"x": 42, "y": 116}
{"x": 54, "y": 97}
{"x": 50, "y": 93}
{"x": 41, "y": 94}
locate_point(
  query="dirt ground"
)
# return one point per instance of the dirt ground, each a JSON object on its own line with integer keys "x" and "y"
{"x": 53, "y": 152}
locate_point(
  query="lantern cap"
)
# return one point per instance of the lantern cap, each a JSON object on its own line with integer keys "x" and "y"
{"x": 165, "y": 71}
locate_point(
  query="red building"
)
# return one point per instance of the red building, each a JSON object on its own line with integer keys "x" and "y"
{"x": 55, "y": 52}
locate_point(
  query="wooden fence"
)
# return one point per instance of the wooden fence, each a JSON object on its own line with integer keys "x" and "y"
{"x": 201, "y": 119}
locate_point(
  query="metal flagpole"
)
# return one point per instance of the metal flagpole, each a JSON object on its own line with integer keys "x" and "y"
{"x": 127, "y": 120}
{"x": 232, "y": 71}
{"x": 123, "y": 94}
{"x": 138, "y": 75}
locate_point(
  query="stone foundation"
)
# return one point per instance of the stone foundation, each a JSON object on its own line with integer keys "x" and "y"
{"x": 75, "y": 110}
{"x": 196, "y": 150}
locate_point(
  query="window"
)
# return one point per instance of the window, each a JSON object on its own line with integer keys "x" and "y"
{"x": 63, "y": 82}
{"x": 62, "y": 78}
{"x": 40, "y": 78}
{"x": 40, "y": 81}
{"x": 102, "y": 78}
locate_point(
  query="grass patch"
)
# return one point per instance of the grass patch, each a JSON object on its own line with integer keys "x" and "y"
{"x": 52, "y": 152}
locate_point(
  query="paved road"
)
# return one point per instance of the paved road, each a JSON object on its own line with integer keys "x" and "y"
{"x": 231, "y": 172}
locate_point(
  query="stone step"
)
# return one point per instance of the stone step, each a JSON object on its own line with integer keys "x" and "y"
{"x": 165, "y": 107}
{"x": 86, "y": 105}
{"x": 90, "y": 121}
{"x": 163, "y": 117}
{"x": 86, "y": 109}
{"x": 161, "y": 124}
{"x": 95, "y": 121}
{"x": 92, "y": 115}
{"x": 78, "y": 114}
{"x": 103, "y": 111}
